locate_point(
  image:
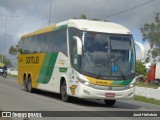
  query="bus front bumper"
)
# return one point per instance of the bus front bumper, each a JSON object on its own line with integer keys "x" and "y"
{"x": 89, "y": 92}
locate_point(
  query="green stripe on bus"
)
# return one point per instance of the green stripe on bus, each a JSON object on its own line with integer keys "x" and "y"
{"x": 126, "y": 82}
{"x": 117, "y": 82}
{"x": 47, "y": 67}
{"x": 122, "y": 82}
{"x": 60, "y": 27}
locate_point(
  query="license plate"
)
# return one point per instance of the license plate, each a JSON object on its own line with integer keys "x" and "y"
{"x": 110, "y": 94}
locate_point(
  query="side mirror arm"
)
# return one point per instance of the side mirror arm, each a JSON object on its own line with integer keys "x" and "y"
{"x": 79, "y": 45}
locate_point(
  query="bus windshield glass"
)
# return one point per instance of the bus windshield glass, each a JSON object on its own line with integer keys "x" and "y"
{"x": 107, "y": 54}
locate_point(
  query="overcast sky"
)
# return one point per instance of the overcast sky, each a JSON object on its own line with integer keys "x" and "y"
{"x": 33, "y": 14}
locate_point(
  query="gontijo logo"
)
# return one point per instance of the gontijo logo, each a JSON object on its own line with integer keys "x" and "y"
{"x": 102, "y": 82}
{"x": 32, "y": 60}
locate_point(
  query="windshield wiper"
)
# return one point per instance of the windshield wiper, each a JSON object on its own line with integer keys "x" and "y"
{"x": 99, "y": 73}
{"x": 120, "y": 71}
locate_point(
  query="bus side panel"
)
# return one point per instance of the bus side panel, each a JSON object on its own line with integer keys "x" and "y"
{"x": 50, "y": 77}
{"x": 30, "y": 64}
{"x": 47, "y": 68}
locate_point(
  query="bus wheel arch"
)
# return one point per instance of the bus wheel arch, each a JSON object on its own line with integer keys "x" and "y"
{"x": 63, "y": 90}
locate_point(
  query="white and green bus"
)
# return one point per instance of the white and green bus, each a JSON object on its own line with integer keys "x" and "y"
{"x": 79, "y": 58}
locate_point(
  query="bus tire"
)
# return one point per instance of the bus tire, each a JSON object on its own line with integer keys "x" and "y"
{"x": 109, "y": 102}
{"x": 29, "y": 85}
{"x": 25, "y": 83}
{"x": 64, "y": 95}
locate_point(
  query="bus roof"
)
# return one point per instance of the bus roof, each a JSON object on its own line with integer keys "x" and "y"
{"x": 44, "y": 30}
{"x": 86, "y": 25}
{"x": 98, "y": 26}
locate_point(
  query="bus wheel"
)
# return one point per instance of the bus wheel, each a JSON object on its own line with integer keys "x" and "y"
{"x": 64, "y": 96}
{"x": 109, "y": 102}
{"x": 29, "y": 85}
{"x": 25, "y": 83}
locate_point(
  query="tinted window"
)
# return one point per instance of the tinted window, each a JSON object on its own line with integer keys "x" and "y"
{"x": 73, "y": 51}
{"x": 55, "y": 41}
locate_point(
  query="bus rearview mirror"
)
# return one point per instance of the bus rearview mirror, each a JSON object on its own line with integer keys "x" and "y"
{"x": 79, "y": 45}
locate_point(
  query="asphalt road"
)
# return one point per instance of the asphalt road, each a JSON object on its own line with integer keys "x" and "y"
{"x": 13, "y": 97}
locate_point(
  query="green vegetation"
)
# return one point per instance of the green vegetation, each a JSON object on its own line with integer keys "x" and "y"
{"x": 6, "y": 60}
{"x": 140, "y": 68}
{"x": 148, "y": 85}
{"x": 151, "y": 33}
{"x": 147, "y": 100}
{"x": 12, "y": 75}
{"x": 13, "y": 50}
{"x": 83, "y": 16}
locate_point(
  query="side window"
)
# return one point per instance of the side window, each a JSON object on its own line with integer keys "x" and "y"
{"x": 31, "y": 44}
{"x": 21, "y": 45}
{"x": 26, "y": 46}
{"x": 75, "y": 55}
{"x": 51, "y": 44}
{"x": 34, "y": 44}
{"x": 73, "y": 32}
{"x": 57, "y": 41}
{"x": 43, "y": 42}
{"x": 73, "y": 46}
{"x": 62, "y": 42}
{"x": 37, "y": 43}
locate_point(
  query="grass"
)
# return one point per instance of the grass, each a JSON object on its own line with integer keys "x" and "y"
{"x": 148, "y": 85}
{"x": 147, "y": 100}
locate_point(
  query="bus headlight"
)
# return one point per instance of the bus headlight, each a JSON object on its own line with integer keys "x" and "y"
{"x": 132, "y": 84}
{"x": 85, "y": 82}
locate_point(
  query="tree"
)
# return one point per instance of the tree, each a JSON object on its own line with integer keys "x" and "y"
{"x": 6, "y": 61}
{"x": 83, "y": 16}
{"x": 95, "y": 19}
{"x": 140, "y": 68}
{"x": 151, "y": 33}
{"x": 13, "y": 50}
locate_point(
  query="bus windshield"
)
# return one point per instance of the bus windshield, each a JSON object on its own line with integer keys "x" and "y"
{"x": 107, "y": 55}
